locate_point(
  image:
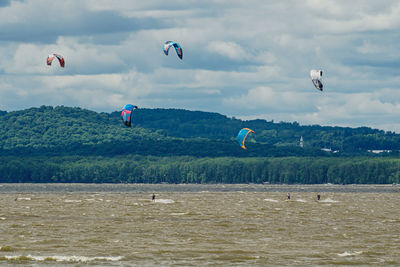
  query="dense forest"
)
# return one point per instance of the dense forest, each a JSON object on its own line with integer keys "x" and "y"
{"x": 185, "y": 169}
{"x": 64, "y": 144}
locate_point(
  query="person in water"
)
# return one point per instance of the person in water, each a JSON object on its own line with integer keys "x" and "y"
{"x": 153, "y": 198}
{"x": 288, "y": 196}
{"x": 318, "y": 197}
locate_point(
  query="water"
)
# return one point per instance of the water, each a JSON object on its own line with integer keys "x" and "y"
{"x": 198, "y": 225}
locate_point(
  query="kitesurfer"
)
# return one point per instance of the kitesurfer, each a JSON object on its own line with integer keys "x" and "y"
{"x": 318, "y": 197}
{"x": 153, "y": 198}
{"x": 288, "y": 196}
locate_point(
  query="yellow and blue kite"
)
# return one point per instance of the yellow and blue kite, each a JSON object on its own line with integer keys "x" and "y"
{"x": 242, "y": 136}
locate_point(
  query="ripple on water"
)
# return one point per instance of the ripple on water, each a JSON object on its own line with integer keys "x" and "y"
{"x": 165, "y": 201}
{"x": 271, "y": 200}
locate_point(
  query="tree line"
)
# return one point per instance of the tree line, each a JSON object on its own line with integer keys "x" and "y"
{"x": 184, "y": 169}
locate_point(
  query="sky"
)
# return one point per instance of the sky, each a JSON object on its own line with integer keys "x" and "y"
{"x": 245, "y": 59}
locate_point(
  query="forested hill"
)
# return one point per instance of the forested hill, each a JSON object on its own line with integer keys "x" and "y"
{"x": 184, "y": 123}
{"x": 171, "y": 132}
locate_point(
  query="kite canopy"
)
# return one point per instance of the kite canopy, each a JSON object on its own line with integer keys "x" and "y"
{"x": 59, "y": 57}
{"x": 178, "y": 48}
{"x": 242, "y": 136}
{"x": 316, "y": 77}
{"x": 127, "y": 114}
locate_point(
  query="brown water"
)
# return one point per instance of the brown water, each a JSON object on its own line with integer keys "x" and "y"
{"x": 80, "y": 225}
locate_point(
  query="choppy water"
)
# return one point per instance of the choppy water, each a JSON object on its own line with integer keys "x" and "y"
{"x": 198, "y": 225}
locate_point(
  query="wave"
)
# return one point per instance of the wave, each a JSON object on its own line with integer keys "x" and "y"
{"x": 23, "y": 198}
{"x": 59, "y": 258}
{"x": 165, "y": 201}
{"x": 72, "y": 200}
{"x": 347, "y": 254}
{"x": 270, "y": 200}
{"x": 94, "y": 199}
{"x": 328, "y": 200}
{"x": 178, "y": 213}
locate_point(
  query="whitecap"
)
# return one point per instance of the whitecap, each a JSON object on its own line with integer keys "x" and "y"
{"x": 165, "y": 201}
{"x": 178, "y": 213}
{"x": 328, "y": 200}
{"x": 144, "y": 199}
{"x": 23, "y": 198}
{"x": 270, "y": 200}
{"x": 72, "y": 200}
{"x": 347, "y": 254}
{"x": 301, "y": 200}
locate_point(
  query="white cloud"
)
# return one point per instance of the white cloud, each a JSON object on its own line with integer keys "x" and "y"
{"x": 245, "y": 59}
{"x": 340, "y": 109}
{"x": 228, "y": 49}
{"x": 267, "y": 98}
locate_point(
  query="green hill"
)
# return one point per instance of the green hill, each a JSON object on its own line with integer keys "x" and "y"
{"x": 166, "y": 132}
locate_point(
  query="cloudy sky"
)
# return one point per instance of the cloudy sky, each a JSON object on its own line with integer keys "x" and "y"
{"x": 248, "y": 59}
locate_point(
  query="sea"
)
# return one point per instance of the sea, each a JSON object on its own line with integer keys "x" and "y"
{"x": 199, "y": 225}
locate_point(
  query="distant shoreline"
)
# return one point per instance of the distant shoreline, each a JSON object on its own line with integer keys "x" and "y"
{"x": 194, "y": 188}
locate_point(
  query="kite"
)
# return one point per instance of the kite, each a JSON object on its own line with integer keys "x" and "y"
{"x": 178, "y": 48}
{"x": 59, "y": 57}
{"x": 127, "y": 114}
{"x": 242, "y": 136}
{"x": 316, "y": 76}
